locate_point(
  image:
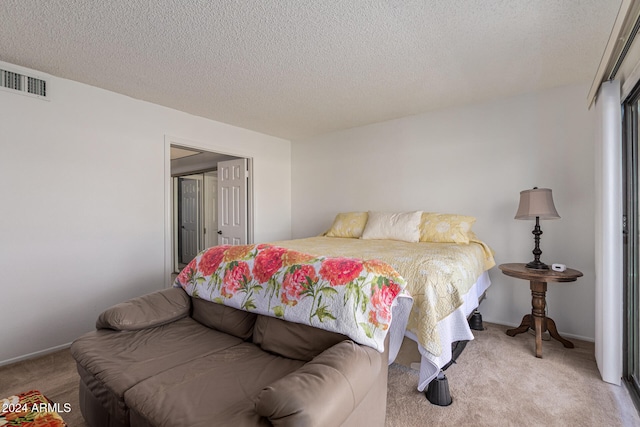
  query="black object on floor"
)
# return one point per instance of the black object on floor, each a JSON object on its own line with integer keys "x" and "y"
{"x": 475, "y": 321}
{"x": 438, "y": 391}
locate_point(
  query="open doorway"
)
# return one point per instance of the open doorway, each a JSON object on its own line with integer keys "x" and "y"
{"x": 207, "y": 207}
{"x": 196, "y": 214}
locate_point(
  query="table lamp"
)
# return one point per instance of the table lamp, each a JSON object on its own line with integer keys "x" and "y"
{"x": 537, "y": 204}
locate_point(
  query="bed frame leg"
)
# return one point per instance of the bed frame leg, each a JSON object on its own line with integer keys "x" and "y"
{"x": 438, "y": 391}
{"x": 475, "y": 321}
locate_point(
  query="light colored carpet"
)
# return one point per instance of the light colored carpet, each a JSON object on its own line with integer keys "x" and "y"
{"x": 499, "y": 382}
{"x": 496, "y": 382}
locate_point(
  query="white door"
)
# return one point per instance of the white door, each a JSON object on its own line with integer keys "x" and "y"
{"x": 210, "y": 209}
{"x": 232, "y": 201}
{"x": 189, "y": 219}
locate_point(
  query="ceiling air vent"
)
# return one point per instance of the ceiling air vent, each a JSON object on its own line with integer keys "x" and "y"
{"x": 23, "y": 84}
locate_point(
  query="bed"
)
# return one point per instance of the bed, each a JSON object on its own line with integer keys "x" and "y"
{"x": 446, "y": 272}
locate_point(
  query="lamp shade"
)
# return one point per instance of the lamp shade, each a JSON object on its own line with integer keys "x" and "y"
{"x": 537, "y": 202}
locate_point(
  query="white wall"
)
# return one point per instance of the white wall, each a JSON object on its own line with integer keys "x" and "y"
{"x": 82, "y": 205}
{"x": 473, "y": 160}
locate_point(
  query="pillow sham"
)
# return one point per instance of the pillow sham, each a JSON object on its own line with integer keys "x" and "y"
{"x": 445, "y": 228}
{"x": 404, "y": 226}
{"x": 348, "y": 224}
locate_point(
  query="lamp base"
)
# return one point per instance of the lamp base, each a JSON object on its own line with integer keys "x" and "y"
{"x": 537, "y": 265}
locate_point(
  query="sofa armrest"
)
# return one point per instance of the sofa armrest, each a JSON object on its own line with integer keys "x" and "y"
{"x": 324, "y": 391}
{"x": 146, "y": 311}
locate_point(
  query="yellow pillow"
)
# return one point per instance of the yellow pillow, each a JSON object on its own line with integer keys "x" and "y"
{"x": 349, "y": 224}
{"x": 445, "y": 228}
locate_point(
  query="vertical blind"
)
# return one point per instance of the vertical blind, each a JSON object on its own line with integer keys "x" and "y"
{"x": 608, "y": 238}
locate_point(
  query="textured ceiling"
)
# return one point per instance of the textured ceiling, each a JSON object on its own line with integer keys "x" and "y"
{"x": 298, "y": 68}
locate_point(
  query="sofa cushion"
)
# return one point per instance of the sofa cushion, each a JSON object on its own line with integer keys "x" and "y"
{"x": 238, "y": 323}
{"x": 216, "y": 390}
{"x": 293, "y": 340}
{"x": 339, "y": 378}
{"x": 147, "y": 311}
{"x": 117, "y": 360}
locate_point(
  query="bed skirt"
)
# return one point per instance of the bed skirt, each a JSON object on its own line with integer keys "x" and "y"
{"x": 452, "y": 328}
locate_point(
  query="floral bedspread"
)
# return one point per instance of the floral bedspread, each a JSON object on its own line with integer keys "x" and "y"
{"x": 437, "y": 274}
{"x": 350, "y": 296}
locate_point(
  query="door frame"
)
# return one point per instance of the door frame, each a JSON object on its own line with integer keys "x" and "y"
{"x": 170, "y": 140}
{"x": 631, "y": 249}
{"x": 210, "y": 236}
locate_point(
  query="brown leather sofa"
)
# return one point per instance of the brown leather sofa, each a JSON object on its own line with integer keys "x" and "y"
{"x": 166, "y": 359}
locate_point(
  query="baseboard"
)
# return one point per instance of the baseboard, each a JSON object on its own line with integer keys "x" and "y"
{"x": 34, "y": 354}
{"x": 564, "y": 334}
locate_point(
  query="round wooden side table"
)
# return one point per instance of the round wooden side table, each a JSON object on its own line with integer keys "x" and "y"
{"x": 537, "y": 320}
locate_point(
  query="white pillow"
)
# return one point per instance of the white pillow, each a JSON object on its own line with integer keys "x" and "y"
{"x": 403, "y": 226}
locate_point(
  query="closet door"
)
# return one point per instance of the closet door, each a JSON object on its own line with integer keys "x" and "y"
{"x": 189, "y": 219}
